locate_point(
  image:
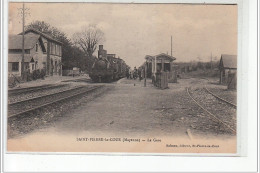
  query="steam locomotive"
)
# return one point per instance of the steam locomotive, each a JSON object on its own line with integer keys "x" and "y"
{"x": 107, "y": 67}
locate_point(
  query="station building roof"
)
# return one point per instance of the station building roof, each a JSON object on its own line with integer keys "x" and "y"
{"x": 160, "y": 56}
{"x": 48, "y": 37}
{"x": 15, "y": 41}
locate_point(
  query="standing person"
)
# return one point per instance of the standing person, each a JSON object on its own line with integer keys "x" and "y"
{"x": 130, "y": 74}
{"x": 142, "y": 73}
{"x": 27, "y": 74}
{"x": 135, "y": 73}
{"x": 127, "y": 74}
{"x": 139, "y": 74}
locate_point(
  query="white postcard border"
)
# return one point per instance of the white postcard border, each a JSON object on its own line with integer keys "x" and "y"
{"x": 246, "y": 90}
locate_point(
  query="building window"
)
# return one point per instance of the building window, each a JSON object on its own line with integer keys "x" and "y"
{"x": 44, "y": 65}
{"x": 15, "y": 66}
{"x": 50, "y": 48}
{"x": 36, "y": 47}
{"x": 45, "y": 45}
{"x": 15, "y": 50}
{"x": 27, "y": 51}
{"x": 56, "y": 49}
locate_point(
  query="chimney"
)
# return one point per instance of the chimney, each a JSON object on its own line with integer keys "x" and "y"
{"x": 100, "y": 47}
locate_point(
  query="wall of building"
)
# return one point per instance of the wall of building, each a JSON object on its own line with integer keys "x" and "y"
{"x": 39, "y": 56}
{"x": 224, "y": 73}
{"x": 55, "y": 49}
{"x": 39, "y": 61}
{"x": 55, "y": 53}
{"x": 55, "y": 65}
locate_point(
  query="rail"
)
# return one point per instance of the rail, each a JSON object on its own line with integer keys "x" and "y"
{"x": 55, "y": 101}
{"x": 44, "y": 96}
{"x": 233, "y": 105}
{"x": 212, "y": 115}
{"x": 30, "y": 89}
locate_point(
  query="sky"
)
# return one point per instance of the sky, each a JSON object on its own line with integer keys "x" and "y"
{"x": 133, "y": 31}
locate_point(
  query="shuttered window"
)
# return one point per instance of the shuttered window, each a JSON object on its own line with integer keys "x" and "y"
{"x": 36, "y": 47}
{"x": 15, "y": 66}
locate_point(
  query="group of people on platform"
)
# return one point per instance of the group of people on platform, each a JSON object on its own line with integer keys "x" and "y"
{"x": 136, "y": 73}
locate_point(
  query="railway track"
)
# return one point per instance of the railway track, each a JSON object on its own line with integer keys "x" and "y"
{"x": 78, "y": 80}
{"x": 221, "y": 99}
{"x": 26, "y": 106}
{"x": 33, "y": 89}
{"x": 205, "y": 101}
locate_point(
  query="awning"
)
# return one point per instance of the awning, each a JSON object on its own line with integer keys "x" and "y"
{"x": 18, "y": 58}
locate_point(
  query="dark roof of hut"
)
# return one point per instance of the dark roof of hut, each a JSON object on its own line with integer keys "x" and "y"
{"x": 229, "y": 61}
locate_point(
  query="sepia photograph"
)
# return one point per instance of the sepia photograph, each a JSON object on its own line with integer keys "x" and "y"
{"x": 122, "y": 78}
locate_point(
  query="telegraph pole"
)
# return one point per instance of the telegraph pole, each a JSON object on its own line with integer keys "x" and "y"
{"x": 171, "y": 45}
{"x": 145, "y": 73}
{"x": 22, "y": 65}
{"x": 23, "y": 12}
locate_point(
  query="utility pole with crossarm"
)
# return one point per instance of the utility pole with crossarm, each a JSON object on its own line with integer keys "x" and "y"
{"x": 23, "y": 12}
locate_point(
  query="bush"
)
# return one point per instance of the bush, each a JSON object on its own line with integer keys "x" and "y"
{"x": 208, "y": 65}
{"x": 38, "y": 74}
{"x": 200, "y": 65}
{"x": 43, "y": 73}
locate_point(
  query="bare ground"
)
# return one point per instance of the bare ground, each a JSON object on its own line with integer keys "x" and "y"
{"x": 130, "y": 108}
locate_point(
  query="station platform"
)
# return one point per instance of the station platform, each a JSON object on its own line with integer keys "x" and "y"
{"x": 49, "y": 80}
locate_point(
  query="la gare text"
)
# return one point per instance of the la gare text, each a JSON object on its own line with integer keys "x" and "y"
{"x": 85, "y": 139}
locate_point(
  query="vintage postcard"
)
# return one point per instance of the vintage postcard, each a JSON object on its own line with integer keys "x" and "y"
{"x": 122, "y": 78}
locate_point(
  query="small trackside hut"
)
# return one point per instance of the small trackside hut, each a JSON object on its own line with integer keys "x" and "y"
{"x": 161, "y": 69}
{"x": 228, "y": 70}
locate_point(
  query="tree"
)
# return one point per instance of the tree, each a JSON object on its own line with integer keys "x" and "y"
{"x": 40, "y": 26}
{"x": 200, "y": 65}
{"x": 69, "y": 59}
{"x": 208, "y": 65}
{"x": 51, "y": 31}
{"x": 88, "y": 39}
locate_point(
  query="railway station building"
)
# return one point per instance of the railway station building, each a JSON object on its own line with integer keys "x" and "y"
{"x": 42, "y": 52}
